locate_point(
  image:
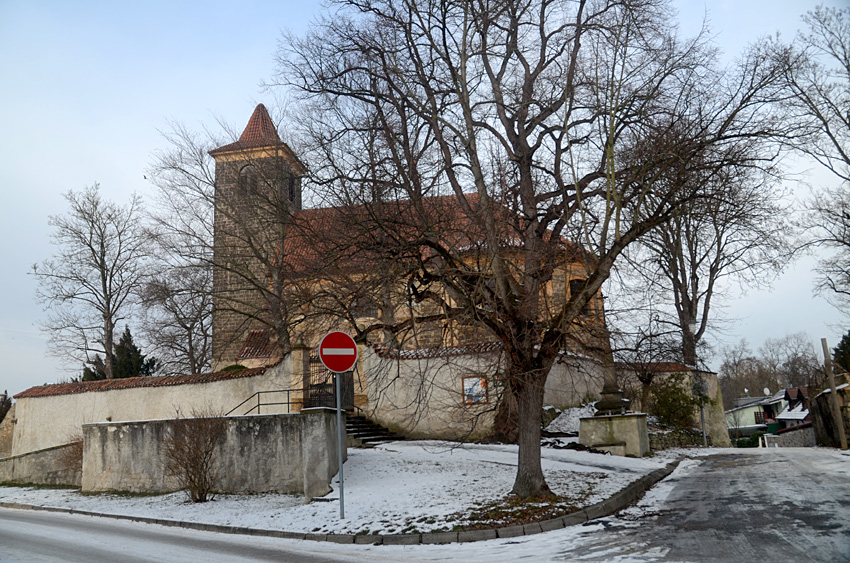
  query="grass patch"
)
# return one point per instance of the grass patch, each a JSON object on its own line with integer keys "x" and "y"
{"x": 513, "y": 511}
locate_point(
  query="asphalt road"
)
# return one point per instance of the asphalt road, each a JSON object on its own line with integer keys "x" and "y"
{"x": 772, "y": 505}
{"x": 29, "y": 536}
{"x": 783, "y": 505}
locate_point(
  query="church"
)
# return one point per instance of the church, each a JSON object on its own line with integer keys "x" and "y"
{"x": 423, "y": 370}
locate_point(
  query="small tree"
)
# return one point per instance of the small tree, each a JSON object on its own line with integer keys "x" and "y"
{"x": 5, "y": 404}
{"x": 127, "y": 361}
{"x": 840, "y": 355}
{"x": 190, "y": 453}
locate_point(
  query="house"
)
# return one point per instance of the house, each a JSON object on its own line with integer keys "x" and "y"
{"x": 796, "y": 411}
{"x": 754, "y": 414}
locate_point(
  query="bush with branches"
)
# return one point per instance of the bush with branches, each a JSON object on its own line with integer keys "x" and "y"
{"x": 672, "y": 402}
{"x": 190, "y": 453}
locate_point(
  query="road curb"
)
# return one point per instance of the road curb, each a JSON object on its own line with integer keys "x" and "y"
{"x": 615, "y": 503}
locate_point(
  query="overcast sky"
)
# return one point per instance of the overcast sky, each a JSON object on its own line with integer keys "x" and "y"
{"x": 86, "y": 88}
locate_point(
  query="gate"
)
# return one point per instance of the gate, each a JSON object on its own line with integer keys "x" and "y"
{"x": 320, "y": 391}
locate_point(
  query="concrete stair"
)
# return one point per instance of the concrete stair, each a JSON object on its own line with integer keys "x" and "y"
{"x": 363, "y": 433}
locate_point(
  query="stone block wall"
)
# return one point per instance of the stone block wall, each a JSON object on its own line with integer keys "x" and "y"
{"x": 803, "y": 437}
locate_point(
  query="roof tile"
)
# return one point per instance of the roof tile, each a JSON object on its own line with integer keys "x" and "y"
{"x": 134, "y": 383}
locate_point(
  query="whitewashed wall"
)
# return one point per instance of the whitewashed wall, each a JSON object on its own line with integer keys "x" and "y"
{"x": 422, "y": 398}
{"x": 43, "y": 422}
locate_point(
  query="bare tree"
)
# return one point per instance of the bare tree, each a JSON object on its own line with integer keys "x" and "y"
{"x": 640, "y": 355}
{"x": 178, "y": 318}
{"x": 792, "y": 360}
{"x": 816, "y": 70}
{"x": 478, "y": 137}
{"x": 781, "y": 363}
{"x": 743, "y": 234}
{"x": 90, "y": 284}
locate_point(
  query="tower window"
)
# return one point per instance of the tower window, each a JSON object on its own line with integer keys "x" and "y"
{"x": 577, "y": 286}
{"x": 248, "y": 179}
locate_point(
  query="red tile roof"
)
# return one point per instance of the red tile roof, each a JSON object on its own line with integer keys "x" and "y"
{"x": 424, "y": 353}
{"x": 257, "y": 345}
{"x": 134, "y": 383}
{"x": 346, "y": 234}
{"x": 261, "y": 132}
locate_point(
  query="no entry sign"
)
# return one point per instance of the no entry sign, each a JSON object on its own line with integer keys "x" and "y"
{"x": 338, "y": 352}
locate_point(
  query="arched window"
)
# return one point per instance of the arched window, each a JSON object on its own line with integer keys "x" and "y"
{"x": 248, "y": 179}
{"x": 577, "y": 286}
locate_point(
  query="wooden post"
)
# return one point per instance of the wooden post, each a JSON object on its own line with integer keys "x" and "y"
{"x": 836, "y": 406}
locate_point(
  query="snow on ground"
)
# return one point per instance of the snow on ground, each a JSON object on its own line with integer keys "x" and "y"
{"x": 568, "y": 420}
{"x": 399, "y": 487}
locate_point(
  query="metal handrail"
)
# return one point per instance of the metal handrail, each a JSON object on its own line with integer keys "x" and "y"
{"x": 261, "y": 404}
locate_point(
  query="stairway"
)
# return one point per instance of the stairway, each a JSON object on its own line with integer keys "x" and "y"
{"x": 363, "y": 433}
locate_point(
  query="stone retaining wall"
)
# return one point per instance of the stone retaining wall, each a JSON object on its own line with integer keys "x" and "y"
{"x": 288, "y": 453}
{"x": 43, "y": 467}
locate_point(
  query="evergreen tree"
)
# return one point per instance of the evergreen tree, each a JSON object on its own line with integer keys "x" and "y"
{"x": 841, "y": 355}
{"x": 127, "y": 361}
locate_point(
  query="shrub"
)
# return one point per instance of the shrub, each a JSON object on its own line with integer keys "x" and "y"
{"x": 190, "y": 453}
{"x": 672, "y": 402}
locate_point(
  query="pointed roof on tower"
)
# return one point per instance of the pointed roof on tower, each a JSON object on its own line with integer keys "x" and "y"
{"x": 260, "y": 130}
{"x": 260, "y": 133}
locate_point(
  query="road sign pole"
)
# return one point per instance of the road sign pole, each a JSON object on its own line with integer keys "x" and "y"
{"x": 339, "y": 438}
{"x": 338, "y": 353}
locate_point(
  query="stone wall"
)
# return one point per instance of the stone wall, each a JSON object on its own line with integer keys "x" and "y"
{"x": 716, "y": 424}
{"x": 823, "y": 418}
{"x": 800, "y": 437}
{"x": 44, "y": 467}
{"x": 679, "y": 438}
{"x": 7, "y": 427}
{"x": 48, "y": 421}
{"x": 289, "y": 453}
{"x": 620, "y": 434}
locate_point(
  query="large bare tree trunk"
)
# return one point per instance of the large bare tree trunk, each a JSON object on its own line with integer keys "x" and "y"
{"x": 529, "y": 478}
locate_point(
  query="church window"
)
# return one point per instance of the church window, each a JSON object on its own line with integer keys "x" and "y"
{"x": 248, "y": 179}
{"x": 577, "y": 286}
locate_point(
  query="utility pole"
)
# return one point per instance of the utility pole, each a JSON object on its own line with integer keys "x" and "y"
{"x": 836, "y": 406}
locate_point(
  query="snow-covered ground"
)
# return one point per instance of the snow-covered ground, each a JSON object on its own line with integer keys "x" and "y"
{"x": 399, "y": 487}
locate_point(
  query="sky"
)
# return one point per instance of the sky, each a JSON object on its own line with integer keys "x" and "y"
{"x": 87, "y": 88}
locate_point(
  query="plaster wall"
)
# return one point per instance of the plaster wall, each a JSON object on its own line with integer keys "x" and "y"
{"x": 716, "y": 426}
{"x": 573, "y": 381}
{"x": 423, "y": 398}
{"x": 288, "y": 453}
{"x": 43, "y": 422}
